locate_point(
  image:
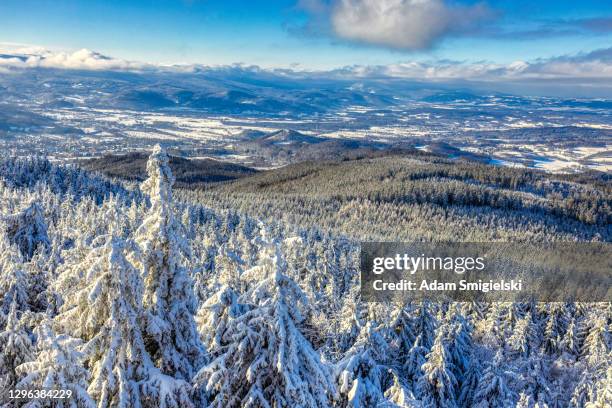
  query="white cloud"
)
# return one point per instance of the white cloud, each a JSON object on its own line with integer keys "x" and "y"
{"x": 37, "y": 57}
{"x": 401, "y": 24}
{"x": 594, "y": 65}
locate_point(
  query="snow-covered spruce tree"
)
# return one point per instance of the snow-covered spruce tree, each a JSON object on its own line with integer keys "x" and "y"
{"x": 28, "y": 230}
{"x": 437, "y": 386}
{"x": 593, "y": 389}
{"x": 24, "y": 250}
{"x": 525, "y": 401}
{"x": 415, "y": 360}
{"x": 425, "y": 323}
{"x": 343, "y": 328}
{"x": 295, "y": 254}
{"x": 459, "y": 343}
{"x": 170, "y": 331}
{"x": 362, "y": 374}
{"x": 523, "y": 340}
{"x": 536, "y": 381}
{"x": 15, "y": 349}
{"x": 314, "y": 271}
{"x": 470, "y": 382}
{"x": 602, "y": 396}
{"x": 424, "y": 327}
{"x": 57, "y": 367}
{"x": 215, "y": 314}
{"x": 493, "y": 390}
{"x": 594, "y": 386}
{"x": 39, "y": 270}
{"x": 263, "y": 359}
{"x": 570, "y": 342}
{"x": 475, "y": 311}
{"x": 399, "y": 396}
{"x": 228, "y": 268}
{"x": 404, "y": 335}
{"x": 13, "y": 279}
{"x": 493, "y": 329}
{"x": 555, "y": 327}
{"x": 597, "y": 344}
{"x": 104, "y": 312}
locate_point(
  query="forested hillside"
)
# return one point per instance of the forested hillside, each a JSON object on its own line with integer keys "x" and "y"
{"x": 424, "y": 198}
{"x": 246, "y": 294}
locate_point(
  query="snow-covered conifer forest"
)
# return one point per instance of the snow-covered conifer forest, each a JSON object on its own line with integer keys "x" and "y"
{"x": 141, "y": 295}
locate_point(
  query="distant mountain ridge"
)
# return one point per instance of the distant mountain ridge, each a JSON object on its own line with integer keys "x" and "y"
{"x": 289, "y": 136}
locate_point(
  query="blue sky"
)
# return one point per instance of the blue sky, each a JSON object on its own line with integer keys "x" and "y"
{"x": 311, "y": 34}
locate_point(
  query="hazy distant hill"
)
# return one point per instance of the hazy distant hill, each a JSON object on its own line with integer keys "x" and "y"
{"x": 288, "y": 137}
{"x": 187, "y": 171}
{"x": 290, "y": 146}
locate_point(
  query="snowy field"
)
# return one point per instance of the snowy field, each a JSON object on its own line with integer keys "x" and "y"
{"x": 101, "y": 131}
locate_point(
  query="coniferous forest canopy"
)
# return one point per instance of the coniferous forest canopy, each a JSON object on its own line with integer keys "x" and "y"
{"x": 245, "y": 293}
